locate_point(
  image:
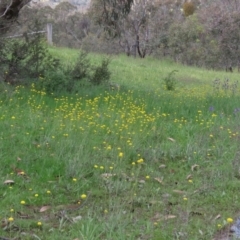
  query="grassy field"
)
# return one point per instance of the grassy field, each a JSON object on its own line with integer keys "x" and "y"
{"x": 140, "y": 162}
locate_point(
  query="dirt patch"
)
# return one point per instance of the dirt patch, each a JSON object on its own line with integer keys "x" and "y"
{"x": 223, "y": 234}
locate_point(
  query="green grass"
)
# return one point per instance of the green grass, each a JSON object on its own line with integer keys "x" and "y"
{"x": 153, "y": 164}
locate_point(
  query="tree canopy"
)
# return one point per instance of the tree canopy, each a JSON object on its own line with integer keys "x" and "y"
{"x": 107, "y": 12}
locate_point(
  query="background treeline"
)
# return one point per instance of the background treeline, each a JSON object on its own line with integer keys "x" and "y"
{"x": 201, "y": 33}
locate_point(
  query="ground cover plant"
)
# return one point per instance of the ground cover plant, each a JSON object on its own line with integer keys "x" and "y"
{"x": 137, "y": 162}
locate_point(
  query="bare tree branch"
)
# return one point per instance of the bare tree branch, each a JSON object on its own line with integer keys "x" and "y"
{"x": 72, "y": 33}
{"x": 7, "y": 8}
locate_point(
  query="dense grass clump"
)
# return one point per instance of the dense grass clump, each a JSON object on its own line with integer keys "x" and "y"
{"x": 137, "y": 162}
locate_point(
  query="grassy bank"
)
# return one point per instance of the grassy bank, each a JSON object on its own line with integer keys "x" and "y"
{"x": 138, "y": 163}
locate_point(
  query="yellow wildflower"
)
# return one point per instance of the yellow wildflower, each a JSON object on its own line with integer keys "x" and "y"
{"x": 229, "y": 220}
{"x": 83, "y": 196}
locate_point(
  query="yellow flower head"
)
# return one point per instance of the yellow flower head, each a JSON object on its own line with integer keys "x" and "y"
{"x": 83, "y": 196}
{"x": 39, "y": 223}
{"x": 229, "y": 220}
{"x": 140, "y": 160}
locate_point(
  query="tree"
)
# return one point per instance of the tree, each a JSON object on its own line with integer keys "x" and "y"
{"x": 9, "y": 10}
{"x": 62, "y": 10}
{"x": 146, "y": 26}
{"x": 136, "y": 27}
{"x": 221, "y": 18}
{"x": 108, "y": 13}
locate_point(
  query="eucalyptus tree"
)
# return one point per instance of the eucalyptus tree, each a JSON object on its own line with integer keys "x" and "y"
{"x": 109, "y": 13}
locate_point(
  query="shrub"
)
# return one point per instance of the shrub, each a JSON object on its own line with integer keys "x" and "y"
{"x": 71, "y": 79}
{"x": 101, "y": 73}
{"x": 170, "y": 81}
{"x": 26, "y": 58}
{"x": 82, "y": 67}
{"x": 53, "y": 82}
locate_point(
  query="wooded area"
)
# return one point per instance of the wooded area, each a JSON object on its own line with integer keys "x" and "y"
{"x": 203, "y": 33}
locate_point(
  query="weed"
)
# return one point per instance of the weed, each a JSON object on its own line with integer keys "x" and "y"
{"x": 171, "y": 81}
{"x": 227, "y": 86}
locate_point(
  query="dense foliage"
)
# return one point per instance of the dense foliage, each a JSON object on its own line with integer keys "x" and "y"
{"x": 28, "y": 60}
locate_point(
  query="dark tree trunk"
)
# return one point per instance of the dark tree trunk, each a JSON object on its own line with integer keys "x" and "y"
{"x": 138, "y": 46}
{"x": 140, "y": 53}
{"x": 125, "y": 45}
{"x": 9, "y": 10}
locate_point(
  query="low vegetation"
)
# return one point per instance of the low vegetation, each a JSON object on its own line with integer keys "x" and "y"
{"x": 133, "y": 162}
{"x": 29, "y": 60}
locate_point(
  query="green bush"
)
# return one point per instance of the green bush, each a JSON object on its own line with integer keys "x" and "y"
{"x": 53, "y": 82}
{"x": 101, "y": 73}
{"x": 82, "y": 67}
{"x": 170, "y": 81}
{"x": 70, "y": 79}
{"x": 26, "y": 58}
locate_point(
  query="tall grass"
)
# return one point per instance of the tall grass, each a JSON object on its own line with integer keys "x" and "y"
{"x": 135, "y": 163}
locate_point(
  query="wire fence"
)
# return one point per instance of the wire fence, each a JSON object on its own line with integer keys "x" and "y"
{"x": 48, "y": 32}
